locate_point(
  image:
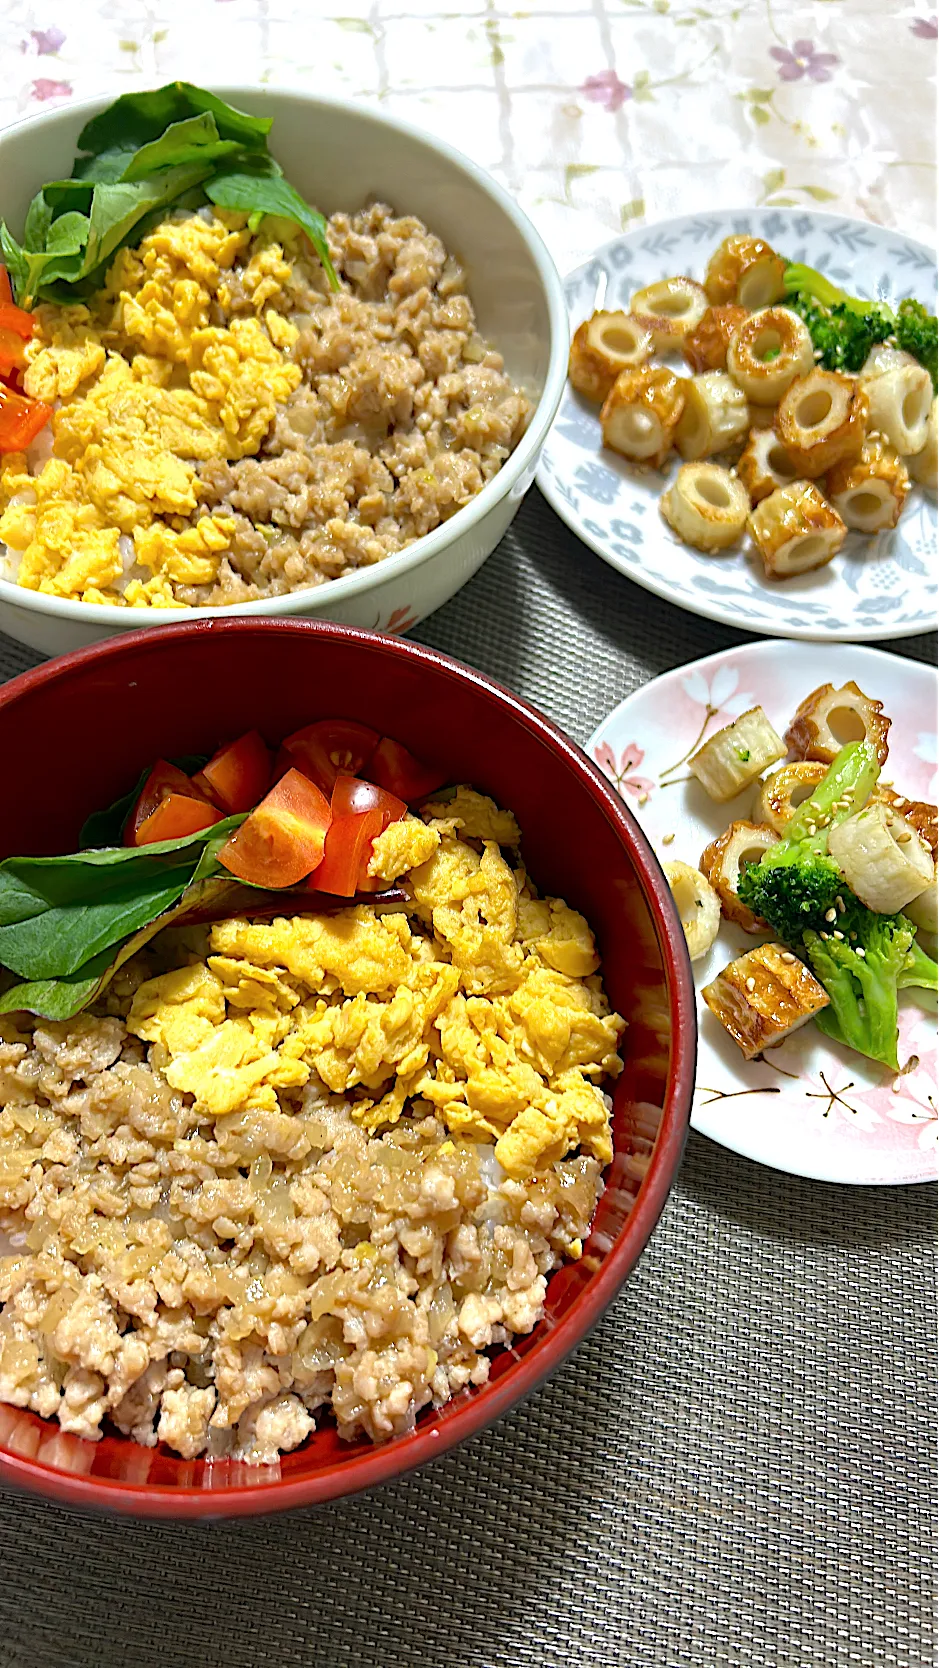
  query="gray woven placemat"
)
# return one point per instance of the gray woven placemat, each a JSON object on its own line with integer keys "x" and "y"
{"x": 736, "y": 1468}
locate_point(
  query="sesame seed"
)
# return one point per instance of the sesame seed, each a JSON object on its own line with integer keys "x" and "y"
{"x": 904, "y": 839}
{"x": 837, "y": 934}
{"x": 831, "y": 915}
{"x": 840, "y": 902}
{"x": 667, "y": 839}
{"x": 823, "y": 821}
{"x": 811, "y": 828}
{"x": 788, "y": 957}
{"x": 824, "y": 935}
{"x": 751, "y": 984}
{"x": 643, "y": 799}
{"x": 861, "y": 951}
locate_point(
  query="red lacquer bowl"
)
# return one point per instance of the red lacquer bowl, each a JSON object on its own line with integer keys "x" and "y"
{"x": 75, "y": 733}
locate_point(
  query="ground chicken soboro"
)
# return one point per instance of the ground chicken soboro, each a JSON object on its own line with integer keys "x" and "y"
{"x": 319, "y": 1162}
{"x": 226, "y": 428}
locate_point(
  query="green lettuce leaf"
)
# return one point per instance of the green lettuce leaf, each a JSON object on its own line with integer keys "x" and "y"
{"x": 259, "y": 191}
{"x": 136, "y": 119}
{"x": 194, "y": 140}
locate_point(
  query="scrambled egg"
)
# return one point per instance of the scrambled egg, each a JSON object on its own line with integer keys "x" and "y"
{"x": 147, "y": 383}
{"x": 480, "y": 1001}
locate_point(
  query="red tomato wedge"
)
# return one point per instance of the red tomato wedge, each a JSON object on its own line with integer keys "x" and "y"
{"x": 174, "y": 817}
{"x": 164, "y": 779}
{"x": 330, "y": 746}
{"x": 344, "y": 868}
{"x": 12, "y": 356}
{"x": 283, "y": 838}
{"x": 17, "y": 319}
{"x": 20, "y": 420}
{"x": 394, "y": 768}
{"x": 238, "y": 775}
{"x": 352, "y": 797}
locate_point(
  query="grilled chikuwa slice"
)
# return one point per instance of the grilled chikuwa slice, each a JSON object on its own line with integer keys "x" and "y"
{"x": 764, "y": 464}
{"x": 735, "y": 756}
{"x": 669, "y": 309}
{"x": 869, "y": 491}
{"x": 698, "y": 906}
{"x": 821, "y": 419}
{"x": 767, "y": 352}
{"x": 706, "y": 506}
{"x": 742, "y": 842}
{"x": 829, "y": 718}
{"x": 795, "y": 529}
{"x": 603, "y": 346}
{"x": 923, "y": 466}
{"x": 705, "y": 347}
{"x": 641, "y": 413}
{"x": 746, "y": 270}
{"x": 919, "y": 814}
{"x": 763, "y": 997}
{"x": 779, "y": 797}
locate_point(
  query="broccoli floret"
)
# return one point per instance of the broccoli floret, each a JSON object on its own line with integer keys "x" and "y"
{"x": 844, "y": 328}
{"x": 862, "y": 972}
{"x": 917, "y": 331}
{"x": 919, "y": 972}
{"x": 793, "y": 893}
{"x": 795, "y": 883}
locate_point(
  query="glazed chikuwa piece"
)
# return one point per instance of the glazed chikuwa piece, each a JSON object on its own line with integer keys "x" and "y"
{"x": 721, "y": 861}
{"x": 821, "y": 419}
{"x": 916, "y": 812}
{"x": 882, "y": 858}
{"x": 779, "y": 797}
{"x": 745, "y": 270}
{"x": 603, "y": 346}
{"x": 669, "y": 310}
{"x": 735, "y": 756}
{"x": 923, "y": 467}
{"x": 869, "y": 491}
{"x": 716, "y": 415}
{"x": 705, "y": 347}
{"x": 642, "y": 412}
{"x": 706, "y": 506}
{"x": 698, "y": 906}
{"x": 767, "y": 352}
{"x": 900, "y": 403}
{"x": 764, "y": 464}
{"x": 795, "y": 529}
{"x": 763, "y": 996}
{"x": 829, "y": 718}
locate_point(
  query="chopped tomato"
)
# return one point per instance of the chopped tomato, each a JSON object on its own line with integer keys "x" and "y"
{"x": 174, "y": 817}
{"x": 6, "y": 288}
{"x": 12, "y": 354}
{"x": 17, "y": 319}
{"x": 394, "y": 768}
{"x": 328, "y": 748}
{"x": 283, "y": 838}
{"x": 164, "y": 779}
{"x": 344, "y": 868}
{"x": 351, "y": 797}
{"x": 238, "y": 775}
{"x": 20, "y": 420}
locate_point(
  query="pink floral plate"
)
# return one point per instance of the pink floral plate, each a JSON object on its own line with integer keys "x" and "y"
{"x": 812, "y": 1108}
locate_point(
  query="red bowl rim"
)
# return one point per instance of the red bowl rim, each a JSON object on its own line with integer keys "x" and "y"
{"x": 396, "y": 1458}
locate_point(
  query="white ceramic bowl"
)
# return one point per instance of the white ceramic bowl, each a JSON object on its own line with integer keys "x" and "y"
{"x": 339, "y": 155}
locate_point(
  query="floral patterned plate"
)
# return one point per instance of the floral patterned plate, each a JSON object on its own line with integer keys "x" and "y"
{"x": 812, "y": 1107}
{"x": 876, "y": 587}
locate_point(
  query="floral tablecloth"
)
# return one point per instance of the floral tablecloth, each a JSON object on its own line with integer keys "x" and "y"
{"x": 594, "y": 113}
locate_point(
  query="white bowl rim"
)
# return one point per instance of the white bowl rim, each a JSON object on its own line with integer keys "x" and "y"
{"x": 424, "y": 549}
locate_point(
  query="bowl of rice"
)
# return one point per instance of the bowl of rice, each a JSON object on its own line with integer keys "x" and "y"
{"x": 297, "y": 1204}
{"x": 228, "y": 432}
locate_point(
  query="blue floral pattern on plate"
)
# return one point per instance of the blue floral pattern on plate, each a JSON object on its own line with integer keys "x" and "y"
{"x": 877, "y": 587}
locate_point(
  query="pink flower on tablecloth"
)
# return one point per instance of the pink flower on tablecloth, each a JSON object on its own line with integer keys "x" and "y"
{"x": 927, "y": 28}
{"x": 631, "y": 757}
{"x": 802, "y": 60}
{"x": 43, "y": 89}
{"x": 606, "y": 89}
{"x": 47, "y": 40}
